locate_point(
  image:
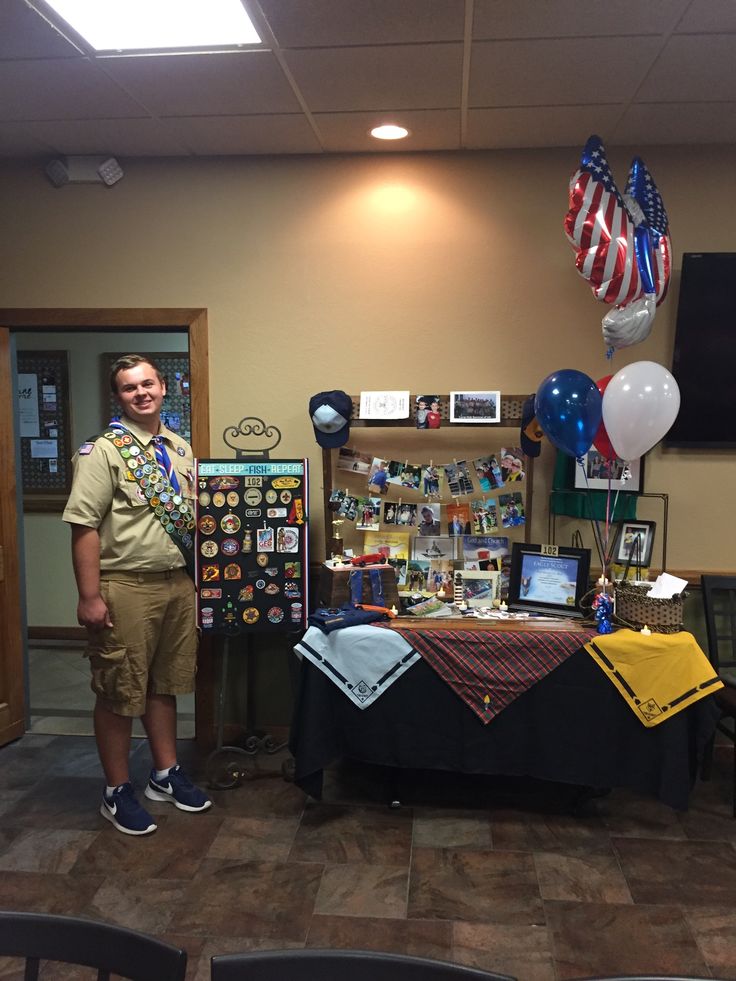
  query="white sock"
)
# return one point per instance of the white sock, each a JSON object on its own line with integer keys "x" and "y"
{"x": 110, "y": 790}
{"x": 162, "y": 774}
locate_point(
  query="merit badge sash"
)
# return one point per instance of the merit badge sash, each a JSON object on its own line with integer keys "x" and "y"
{"x": 167, "y": 506}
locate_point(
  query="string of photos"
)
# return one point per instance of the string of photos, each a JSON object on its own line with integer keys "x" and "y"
{"x": 430, "y": 520}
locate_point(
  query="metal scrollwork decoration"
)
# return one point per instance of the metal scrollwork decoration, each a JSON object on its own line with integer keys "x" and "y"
{"x": 255, "y": 427}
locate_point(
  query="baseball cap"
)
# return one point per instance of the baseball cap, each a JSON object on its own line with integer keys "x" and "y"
{"x": 330, "y": 413}
{"x": 531, "y": 433}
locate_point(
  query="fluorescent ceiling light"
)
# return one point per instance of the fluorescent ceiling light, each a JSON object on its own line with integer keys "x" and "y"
{"x": 134, "y": 25}
{"x": 389, "y": 132}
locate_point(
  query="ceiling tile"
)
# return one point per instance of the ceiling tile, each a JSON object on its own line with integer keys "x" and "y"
{"x": 496, "y": 19}
{"x": 217, "y": 84}
{"x": 115, "y": 137}
{"x": 678, "y": 122}
{"x": 24, "y": 34}
{"x": 322, "y": 23}
{"x": 349, "y": 132}
{"x": 207, "y": 136}
{"x": 708, "y": 17}
{"x": 540, "y": 126}
{"x": 17, "y": 141}
{"x": 60, "y": 89}
{"x": 693, "y": 68}
{"x": 398, "y": 77}
{"x": 574, "y": 71}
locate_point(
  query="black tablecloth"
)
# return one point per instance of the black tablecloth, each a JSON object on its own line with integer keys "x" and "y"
{"x": 571, "y": 727}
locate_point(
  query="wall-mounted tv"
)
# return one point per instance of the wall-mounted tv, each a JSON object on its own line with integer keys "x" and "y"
{"x": 548, "y": 579}
{"x": 705, "y": 352}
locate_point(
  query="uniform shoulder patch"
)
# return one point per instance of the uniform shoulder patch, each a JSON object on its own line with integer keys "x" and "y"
{"x": 85, "y": 449}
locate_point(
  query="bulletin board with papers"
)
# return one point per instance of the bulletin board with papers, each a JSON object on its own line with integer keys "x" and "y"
{"x": 42, "y": 404}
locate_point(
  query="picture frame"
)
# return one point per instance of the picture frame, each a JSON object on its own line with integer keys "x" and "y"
{"x": 593, "y": 474}
{"x": 626, "y": 537}
{"x": 475, "y": 407}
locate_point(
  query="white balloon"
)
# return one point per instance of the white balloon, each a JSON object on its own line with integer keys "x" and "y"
{"x": 640, "y": 404}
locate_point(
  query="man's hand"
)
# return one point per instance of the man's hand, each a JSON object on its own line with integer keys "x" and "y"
{"x": 93, "y": 613}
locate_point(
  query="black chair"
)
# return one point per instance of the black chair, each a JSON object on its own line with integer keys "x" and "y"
{"x": 719, "y": 604}
{"x": 339, "y": 965}
{"x": 111, "y": 950}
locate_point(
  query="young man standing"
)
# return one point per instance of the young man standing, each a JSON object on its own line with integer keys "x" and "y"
{"x": 131, "y": 512}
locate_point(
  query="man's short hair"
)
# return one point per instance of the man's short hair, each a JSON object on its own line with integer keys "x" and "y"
{"x": 128, "y": 361}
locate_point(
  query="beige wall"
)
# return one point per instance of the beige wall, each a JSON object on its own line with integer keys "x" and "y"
{"x": 431, "y": 272}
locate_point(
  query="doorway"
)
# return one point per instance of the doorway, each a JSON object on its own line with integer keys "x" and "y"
{"x": 15, "y": 656}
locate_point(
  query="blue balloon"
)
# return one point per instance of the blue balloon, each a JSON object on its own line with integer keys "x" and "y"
{"x": 569, "y": 408}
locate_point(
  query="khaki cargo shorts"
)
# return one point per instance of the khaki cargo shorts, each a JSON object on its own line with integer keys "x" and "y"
{"x": 151, "y": 647}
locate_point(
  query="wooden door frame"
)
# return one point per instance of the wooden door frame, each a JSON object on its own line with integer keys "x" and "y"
{"x": 193, "y": 320}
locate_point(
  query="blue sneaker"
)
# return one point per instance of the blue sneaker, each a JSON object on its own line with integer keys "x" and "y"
{"x": 124, "y": 812}
{"x": 178, "y": 790}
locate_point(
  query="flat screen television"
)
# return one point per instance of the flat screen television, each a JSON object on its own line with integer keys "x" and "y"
{"x": 705, "y": 352}
{"x": 548, "y": 579}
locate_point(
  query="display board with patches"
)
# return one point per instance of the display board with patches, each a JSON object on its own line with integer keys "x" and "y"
{"x": 251, "y": 545}
{"x": 176, "y": 412}
{"x": 42, "y": 402}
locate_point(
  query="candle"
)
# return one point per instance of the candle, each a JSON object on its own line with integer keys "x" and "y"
{"x": 503, "y": 605}
{"x": 462, "y": 605}
{"x": 394, "y": 611}
{"x": 645, "y": 631}
{"x": 440, "y": 594}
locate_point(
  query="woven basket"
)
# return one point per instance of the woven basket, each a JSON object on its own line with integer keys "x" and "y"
{"x": 635, "y": 609}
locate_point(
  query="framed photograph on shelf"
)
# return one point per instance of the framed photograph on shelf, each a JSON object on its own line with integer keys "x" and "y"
{"x": 635, "y": 540}
{"x": 597, "y": 472}
{"x": 475, "y": 407}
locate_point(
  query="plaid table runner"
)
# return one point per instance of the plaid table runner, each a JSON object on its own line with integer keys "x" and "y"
{"x": 488, "y": 670}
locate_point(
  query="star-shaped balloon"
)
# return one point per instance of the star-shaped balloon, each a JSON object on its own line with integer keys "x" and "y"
{"x": 622, "y": 243}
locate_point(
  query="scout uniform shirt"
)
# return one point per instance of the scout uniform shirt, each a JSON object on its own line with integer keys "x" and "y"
{"x": 106, "y": 496}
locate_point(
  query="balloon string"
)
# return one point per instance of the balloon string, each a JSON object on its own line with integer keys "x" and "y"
{"x": 594, "y": 523}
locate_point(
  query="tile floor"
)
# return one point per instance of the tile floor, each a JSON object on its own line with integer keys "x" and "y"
{"x": 497, "y": 874}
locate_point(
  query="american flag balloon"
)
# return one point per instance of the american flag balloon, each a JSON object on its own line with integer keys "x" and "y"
{"x": 601, "y": 228}
{"x": 644, "y": 191}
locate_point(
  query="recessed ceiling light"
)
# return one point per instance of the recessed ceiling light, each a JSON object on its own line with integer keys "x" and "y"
{"x": 158, "y": 24}
{"x": 389, "y": 132}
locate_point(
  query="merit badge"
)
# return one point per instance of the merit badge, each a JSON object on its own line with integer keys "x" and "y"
{"x": 246, "y": 594}
{"x": 218, "y": 499}
{"x": 272, "y": 588}
{"x": 119, "y": 442}
{"x": 202, "y": 484}
{"x": 232, "y": 571}
{"x": 208, "y": 592}
{"x": 250, "y": 614}
{"x": 287, "y": 540}
{"x": 127, "y": 439}
{"x": 276, "y": 513}
{"x": 210, "y": 573}
{"x": 262, "y": 559}
{"x": 204, "y": 499}
{"x": 264, "y": 539}
{"x": 275, "y": 614}
{"x": 293, "y": 570}
{"x": 280, "y": 482}
{"x": 271, "y": 497}
{"x": 230, "y": 524}
{"x": 140, "y": 494}
{"x": 230, "y": 546}
{"x": 207, "y": 523}
{"x": 233, "y": 499}
{"x": 252, "y": 496}
{"x": 285, "y": 497}
{"x": 260, "y": 583}
{"x": 208, "y": 548}
{"x": 291, "y": 589}
{"x": 271, "y": 571}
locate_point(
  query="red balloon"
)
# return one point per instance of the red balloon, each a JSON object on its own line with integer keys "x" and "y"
{"x": 601, "y": 442}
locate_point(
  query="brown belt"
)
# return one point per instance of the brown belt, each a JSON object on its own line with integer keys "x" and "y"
{"x": 141, "y": 576}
